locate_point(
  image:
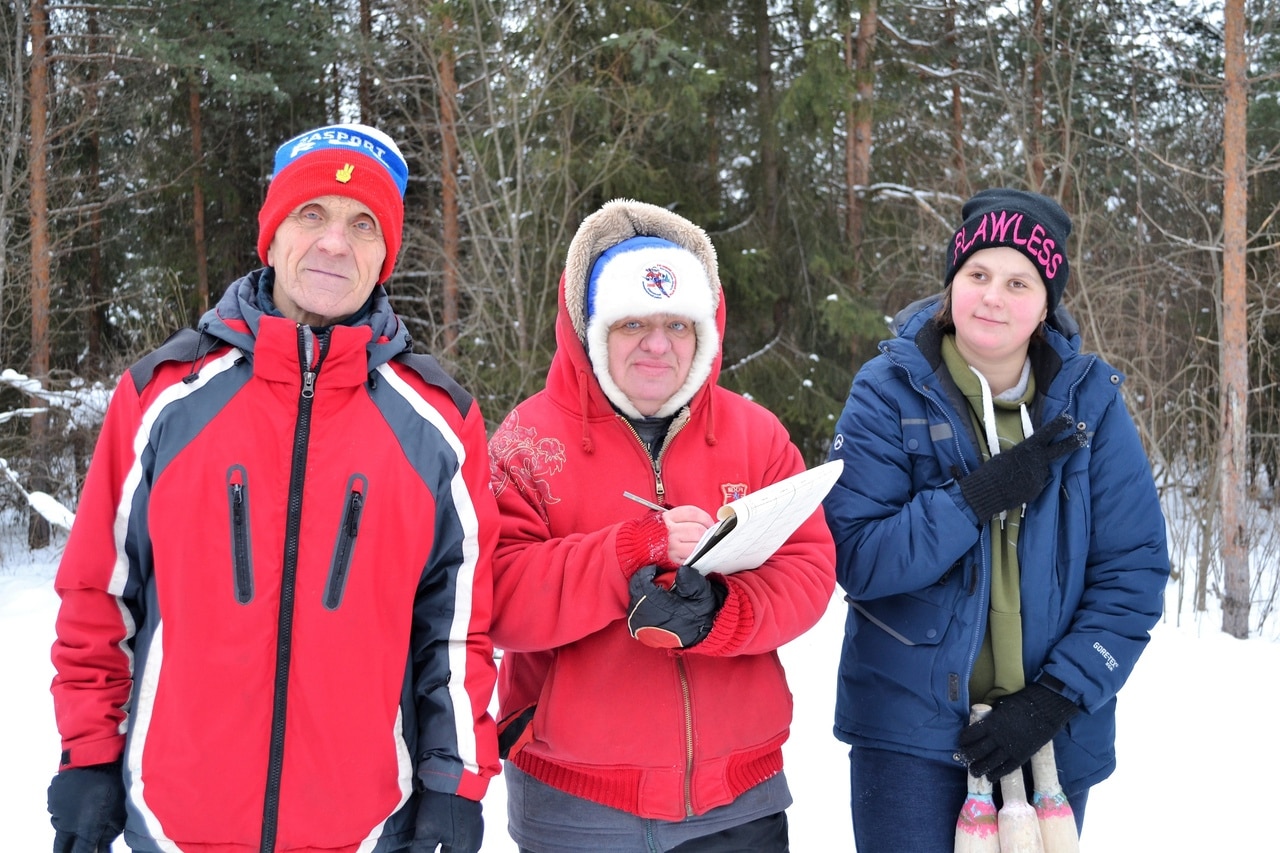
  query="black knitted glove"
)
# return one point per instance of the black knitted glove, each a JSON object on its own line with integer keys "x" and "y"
{"x": 1016, "y": 476}
{"x": 86, "y": 808}
{"x": 1018, "y": 725}
{"x": 675, "y": 618}
{"x": 454, "y": 823}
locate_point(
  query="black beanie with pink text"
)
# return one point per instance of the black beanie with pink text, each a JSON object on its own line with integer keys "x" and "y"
{"x": 1034, "y": 224}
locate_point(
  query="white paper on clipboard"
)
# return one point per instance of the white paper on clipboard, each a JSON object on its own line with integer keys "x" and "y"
{"x": 751, "y": 528}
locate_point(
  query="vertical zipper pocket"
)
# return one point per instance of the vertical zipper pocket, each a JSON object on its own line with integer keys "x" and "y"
{"x": 357, "y": 487}
{"x": 241, "y": 553}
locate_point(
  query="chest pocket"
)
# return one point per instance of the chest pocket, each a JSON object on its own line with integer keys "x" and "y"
{"x": 919, "y": 437}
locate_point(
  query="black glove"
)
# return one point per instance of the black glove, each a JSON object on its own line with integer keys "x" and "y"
{"x": 675, "y": 618}
{"x": 453, "y": 822}
{"x": 1014, "y": 477}
{"x": 86, "y": 808}
{"x": 1018, "y": 725}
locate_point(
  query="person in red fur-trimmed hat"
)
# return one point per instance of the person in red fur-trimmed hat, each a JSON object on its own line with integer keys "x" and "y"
{"x": 642, "y": 703}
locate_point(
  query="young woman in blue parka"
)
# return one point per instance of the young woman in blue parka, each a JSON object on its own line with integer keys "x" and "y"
{"x": 998, "y": 535}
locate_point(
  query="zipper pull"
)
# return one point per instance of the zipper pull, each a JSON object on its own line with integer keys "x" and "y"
{"x": 353, "y": 523}
{"x": 311, "y": 348}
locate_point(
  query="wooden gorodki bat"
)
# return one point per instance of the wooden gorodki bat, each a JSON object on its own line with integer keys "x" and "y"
{"x": 1053, "y": 812}
{"x": 976, "y": 830}
{"x": 1016, "y": 820}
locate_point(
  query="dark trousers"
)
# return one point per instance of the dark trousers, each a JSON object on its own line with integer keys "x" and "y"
{"x": 766, "y": 835}
{"x": 902, "y": 802}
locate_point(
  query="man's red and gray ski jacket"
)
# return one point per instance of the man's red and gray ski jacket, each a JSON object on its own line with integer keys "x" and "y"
{"x": 277, "y": 591}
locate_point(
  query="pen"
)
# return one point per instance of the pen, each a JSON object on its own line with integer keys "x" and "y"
{"x": 648, "y": 503}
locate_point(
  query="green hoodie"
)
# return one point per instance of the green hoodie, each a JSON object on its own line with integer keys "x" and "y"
{"x": 998, "y": 669}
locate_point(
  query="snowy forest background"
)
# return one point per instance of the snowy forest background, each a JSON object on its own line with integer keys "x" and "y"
{"x": 825, "y": 146}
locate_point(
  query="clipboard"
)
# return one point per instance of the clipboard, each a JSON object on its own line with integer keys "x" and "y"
{"x": 756, "y": 525}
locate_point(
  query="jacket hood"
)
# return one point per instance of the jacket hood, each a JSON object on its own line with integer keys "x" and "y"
{"x": 571, "y": 368}
{"x": 238, "y": 314}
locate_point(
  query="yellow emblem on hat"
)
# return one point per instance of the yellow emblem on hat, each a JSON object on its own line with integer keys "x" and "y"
{"x": 344, "y": 174}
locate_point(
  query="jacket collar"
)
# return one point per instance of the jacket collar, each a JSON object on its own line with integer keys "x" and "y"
{"x": 237, "y": 319}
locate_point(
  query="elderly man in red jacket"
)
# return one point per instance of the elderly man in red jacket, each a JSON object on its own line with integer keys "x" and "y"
{"x": 276, "y": 595}
{"x": 643, "y": 704}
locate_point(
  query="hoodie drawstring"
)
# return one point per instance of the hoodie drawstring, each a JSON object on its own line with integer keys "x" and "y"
{"x": 583, "y": 398}
{"x": 710, "y": 432}
{"x": 198, "y": 363}
{"x": 989, "y": 422}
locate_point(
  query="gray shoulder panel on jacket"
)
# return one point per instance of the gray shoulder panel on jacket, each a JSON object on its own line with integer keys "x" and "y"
{"x": 182, "y": 345}
{"x": 432, "y": 373}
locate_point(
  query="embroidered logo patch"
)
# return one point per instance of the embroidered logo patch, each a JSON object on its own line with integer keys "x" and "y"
{"x": 733, "y": 491}
{"x": 344, "y": 174}
{"x": 519, "y": 458}
{"x": 659, "y": 281}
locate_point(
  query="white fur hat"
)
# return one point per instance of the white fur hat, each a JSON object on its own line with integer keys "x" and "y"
{"x": 638, "y": 277}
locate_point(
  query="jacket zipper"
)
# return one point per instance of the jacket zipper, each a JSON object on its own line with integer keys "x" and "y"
{"x": 983, "y": 577}
{"x": 308, "y": 344}
{"x": 688, "y": 735}
{"x": 346, "y": 546}
{"x": 661, "y": 491}
{"x": 241, "y": 554}
{"x": 655, "y": 462}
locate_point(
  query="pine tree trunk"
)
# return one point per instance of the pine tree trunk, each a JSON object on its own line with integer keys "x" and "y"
{"x": 768, "y": 130}
{"x": 958, "y": 165}
{"x": 364, "y": 82}
{"x": 1234, "y": 384}
{"x": 1035, "y": 148}
{"x": 37, "y": 527}
{"x": 96, "y": 312}
{"x": 859, "y": 156}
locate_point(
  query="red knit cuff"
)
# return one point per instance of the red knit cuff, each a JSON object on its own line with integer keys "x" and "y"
{"x": 642, "y": 542}
{"x": 734, "y": 623}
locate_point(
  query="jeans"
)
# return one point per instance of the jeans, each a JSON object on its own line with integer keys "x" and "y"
{"x": 903, "y": 802}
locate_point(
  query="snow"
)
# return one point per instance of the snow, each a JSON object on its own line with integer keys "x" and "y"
{"x": 1196, "y": 738}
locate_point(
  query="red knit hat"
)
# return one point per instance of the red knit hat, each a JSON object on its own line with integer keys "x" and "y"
{"x": 349, "y": 160}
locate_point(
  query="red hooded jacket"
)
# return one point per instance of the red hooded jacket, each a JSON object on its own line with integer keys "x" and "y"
{"x": 658, "y": 733}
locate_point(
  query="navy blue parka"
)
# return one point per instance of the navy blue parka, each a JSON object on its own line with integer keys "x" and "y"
{"x": 915, "y": 561}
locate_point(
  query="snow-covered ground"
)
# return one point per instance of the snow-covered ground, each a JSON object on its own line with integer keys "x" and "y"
{"x": 1197, "y": 745}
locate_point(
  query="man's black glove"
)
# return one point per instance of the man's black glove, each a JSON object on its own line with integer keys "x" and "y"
{"x": 1018, "y": 725}
{"x": 448, "y": 820}
{"x": 86, "y": 808}
{"x": 675, "y": 618}
{"x": 1016, "y": 476}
